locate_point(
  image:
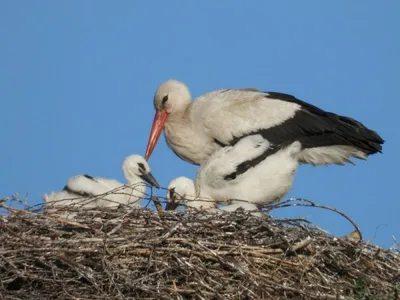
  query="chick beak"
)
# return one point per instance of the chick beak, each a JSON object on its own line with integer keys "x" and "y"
{"x": 149, "y": 178}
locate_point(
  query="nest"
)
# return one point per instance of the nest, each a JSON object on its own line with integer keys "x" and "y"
{"x": 145, "y": 254}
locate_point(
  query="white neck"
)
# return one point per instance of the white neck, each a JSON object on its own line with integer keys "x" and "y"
{"x": 131, "y": 180}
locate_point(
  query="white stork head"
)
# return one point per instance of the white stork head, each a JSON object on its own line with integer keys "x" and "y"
{"x": 181, "y": 191}
{"x": 171, "y": 96}
{"x": 134, "y": 167}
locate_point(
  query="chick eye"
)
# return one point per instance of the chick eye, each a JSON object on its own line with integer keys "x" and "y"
{"x": 164, "y": 99}
{"x": 141, "y": 167}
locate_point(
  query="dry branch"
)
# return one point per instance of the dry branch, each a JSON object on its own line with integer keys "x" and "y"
{"x": 145, "y": 254}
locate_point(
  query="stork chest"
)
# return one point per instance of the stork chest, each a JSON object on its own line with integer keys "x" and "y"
{"x": 191, "y": 146}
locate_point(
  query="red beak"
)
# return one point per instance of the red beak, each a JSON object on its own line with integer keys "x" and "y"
{"x": 158, "y": 125}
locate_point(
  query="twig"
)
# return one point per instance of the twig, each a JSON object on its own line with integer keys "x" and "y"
{"x": 179, "y": 255}
{"x": 308, "y": 203}
{"x": 3, "y": 252}
{"x": 157, "y": 204}
{"x": 302, "y": 244}
{"x": 14, "y": 210}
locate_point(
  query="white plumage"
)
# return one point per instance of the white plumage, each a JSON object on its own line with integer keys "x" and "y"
{"x": 84, "y": 190}
{"x": 247, "y": 206}
{"x": 64, "y": 198}
{"x": 182, "y": 191}
{"x": 196, "y": 129}
{"x": 251, "y": 171}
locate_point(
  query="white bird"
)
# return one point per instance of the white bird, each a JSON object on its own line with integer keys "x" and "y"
{"x": 251, "y": 170}
{"x": 196, "y": 129}
{"x": 182, "y": 191}
{"x": 84, "y": 190}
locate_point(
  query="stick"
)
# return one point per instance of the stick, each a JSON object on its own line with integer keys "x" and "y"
{"x": 157, "y": 204}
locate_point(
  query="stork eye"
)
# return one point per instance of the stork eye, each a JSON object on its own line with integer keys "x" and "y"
{"x": 164, "y": 99}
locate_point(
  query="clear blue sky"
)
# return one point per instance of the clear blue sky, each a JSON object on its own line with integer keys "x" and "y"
{"x": 77, "y": 80}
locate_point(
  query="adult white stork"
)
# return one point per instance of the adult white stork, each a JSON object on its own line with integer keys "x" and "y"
{"x": 196, "y": 129}
{"x": 84, "y": 190}
{"x": 251, "y": 170}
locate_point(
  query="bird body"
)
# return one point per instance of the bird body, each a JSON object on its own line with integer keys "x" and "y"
{"x": 64, "y": 198}
{"x": 88, "y": 192}
{"x": 196, "y": 129}
{"x": 88, "y": 186}
{"x": 251, "y": 171}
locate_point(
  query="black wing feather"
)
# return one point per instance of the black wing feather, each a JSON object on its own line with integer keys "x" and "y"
{"x": 244, "y": 166}
{"x": 314, "y": 127}
{"x": 80, "y": 193}
{"x": 77, "y": 193}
